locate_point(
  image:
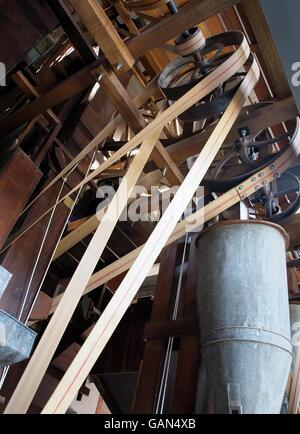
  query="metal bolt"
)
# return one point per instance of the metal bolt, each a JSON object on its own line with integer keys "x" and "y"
{"x": 241, "y": 187}
{"x": 119, "y": 66}
{"x": 253, "y": 179}
{"x": 261, "y": 174}
{"x": 276, "y": 175}
{"x": 272, "y": 167}
{"x": 100, "y": 76}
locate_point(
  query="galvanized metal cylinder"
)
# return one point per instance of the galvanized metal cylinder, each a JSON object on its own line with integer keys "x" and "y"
{"x": 295, "y": 330}
{"x": 244, "y": 315}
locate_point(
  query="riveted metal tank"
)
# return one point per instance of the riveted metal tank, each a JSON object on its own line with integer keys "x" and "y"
{"x": 244, "y": 315}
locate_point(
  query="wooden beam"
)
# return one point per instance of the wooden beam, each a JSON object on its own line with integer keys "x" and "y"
{"x": 189, "y": 16}
{"x": 19, "y": 177}
{"x": 61, "y": 92}
{"x": 73, "y": 31}
{"x": 165, "y": 329}
{"x": 117, "y": 307}
{"x": 101, "y": 28}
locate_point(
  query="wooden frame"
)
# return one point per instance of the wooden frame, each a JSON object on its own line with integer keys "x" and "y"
{"x": 92, "y": 348}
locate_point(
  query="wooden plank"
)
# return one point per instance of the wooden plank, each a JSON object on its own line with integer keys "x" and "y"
{"x": 154, "y": 351}
{"x": 171, "y": 26}
{"x": 21, "y": 258}
{"x": 165, "y": 329}
{"x": 74, "y": 291}
{"x": 101, "y": 28}
{"x": 18, "y": 179}
{"x": 117, "y": 307}
{"x": 41, "y": 307}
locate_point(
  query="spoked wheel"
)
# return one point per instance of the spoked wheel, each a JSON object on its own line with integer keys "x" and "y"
{"x": 280, "y": 199}
{"x": 184, "y": 73}
{"x": 249, "y": 154}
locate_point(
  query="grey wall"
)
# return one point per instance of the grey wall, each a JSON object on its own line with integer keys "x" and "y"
{"x": 283, "y": 17}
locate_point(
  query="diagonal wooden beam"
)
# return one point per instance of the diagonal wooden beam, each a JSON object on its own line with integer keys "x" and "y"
{"x": 101, "y": 28}
{"x": 189, "y": 16}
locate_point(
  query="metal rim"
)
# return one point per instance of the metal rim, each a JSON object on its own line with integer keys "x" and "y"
{"x": 241, "y": 222}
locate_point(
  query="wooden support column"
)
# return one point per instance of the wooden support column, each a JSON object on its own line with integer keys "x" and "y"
{"x": 184, "y": 395}
{"x": 73, "y": 30}
{"x": 153, "y": 359}
{"x": 130, "y": 113}
{"x": 101, "y": 28}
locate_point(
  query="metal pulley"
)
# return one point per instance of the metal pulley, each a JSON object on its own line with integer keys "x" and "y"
{"x": 184, "y": 73}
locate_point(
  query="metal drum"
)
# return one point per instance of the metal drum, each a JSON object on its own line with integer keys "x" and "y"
{"x": 244, "y": 315}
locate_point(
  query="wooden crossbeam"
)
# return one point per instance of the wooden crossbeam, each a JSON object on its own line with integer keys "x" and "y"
{"x": 171, "y": 26}
{"x": 101, "y": 28}
{"x": 28, "y": 384}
